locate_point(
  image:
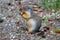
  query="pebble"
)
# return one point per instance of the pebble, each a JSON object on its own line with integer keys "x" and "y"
{"x": 9, "y": 4}
{"x": 1, "y": 20}
{"x": 9, "y": 15}
{"x": 57, "y": 31}
{"x": 17, "y": 23}
{"x": 35, "y": 9}
{"x": 40, "y": 10}
{"x": 43, "y": 36}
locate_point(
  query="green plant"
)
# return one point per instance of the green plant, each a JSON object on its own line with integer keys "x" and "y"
{"x": 53, "y": 4}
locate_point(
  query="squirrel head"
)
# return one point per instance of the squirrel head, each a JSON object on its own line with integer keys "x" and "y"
{"x": 26, "y": 12}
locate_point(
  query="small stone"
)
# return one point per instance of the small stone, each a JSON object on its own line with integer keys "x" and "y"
{"x": 15, "y": 0}
{"x": 17, "y": 23}
{"x": 57, "y": 31}
{"x": 43, "y": 36}
{"x": 50, "y": 19}
{"x": 45, "y": 30}
{"x": 35, "y": 3}
{"x": 1, "y": 20}
{"x": 9, "y": 4}
{"x": 40, "y": 33}
{"x": 4, "y": 18}
{"x": 35, "y": 6}
{"x": 40, "y": 10}
{"x": 35, "y": 12}
{"x": 10, "y": 15}
{"x": 2, "y": 35}
{"x": 35, "y": 9}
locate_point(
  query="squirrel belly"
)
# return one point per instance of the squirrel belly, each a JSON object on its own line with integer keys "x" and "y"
{"x": 34, "y": 25}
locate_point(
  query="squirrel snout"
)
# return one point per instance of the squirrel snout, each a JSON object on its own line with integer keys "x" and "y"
{"x": 26, "y": 14}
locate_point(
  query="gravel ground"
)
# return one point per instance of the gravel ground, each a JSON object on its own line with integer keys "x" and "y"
{"x": 13, "y": 26}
